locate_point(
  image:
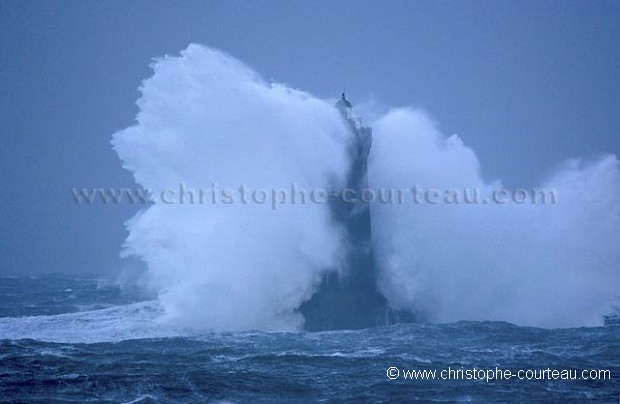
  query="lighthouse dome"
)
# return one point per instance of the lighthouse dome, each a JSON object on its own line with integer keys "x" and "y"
{"x": 345, "y": 107}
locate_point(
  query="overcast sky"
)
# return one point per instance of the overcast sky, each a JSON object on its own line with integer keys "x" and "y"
{"x": 526, "y": 84}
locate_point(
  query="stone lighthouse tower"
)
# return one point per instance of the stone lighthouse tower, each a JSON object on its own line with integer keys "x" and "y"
{"x": 348, "y": 297}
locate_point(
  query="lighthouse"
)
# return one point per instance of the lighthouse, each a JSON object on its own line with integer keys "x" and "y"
{"x": 348, "y": 297}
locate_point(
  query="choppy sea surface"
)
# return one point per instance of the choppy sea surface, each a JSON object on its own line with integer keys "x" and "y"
{"x": 94, "y": 339}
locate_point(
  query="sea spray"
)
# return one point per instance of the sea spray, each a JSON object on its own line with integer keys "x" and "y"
{"x": 549, "y": 265}
{"x": 205, "y": 117}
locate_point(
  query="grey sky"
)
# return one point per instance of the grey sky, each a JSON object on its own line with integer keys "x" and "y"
{"x": 526, "y": 84}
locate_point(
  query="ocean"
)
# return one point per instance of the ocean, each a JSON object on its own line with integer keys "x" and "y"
{"x": 69, "y": 339}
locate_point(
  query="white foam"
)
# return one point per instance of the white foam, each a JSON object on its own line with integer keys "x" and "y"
{"x": 118, "y": 323}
